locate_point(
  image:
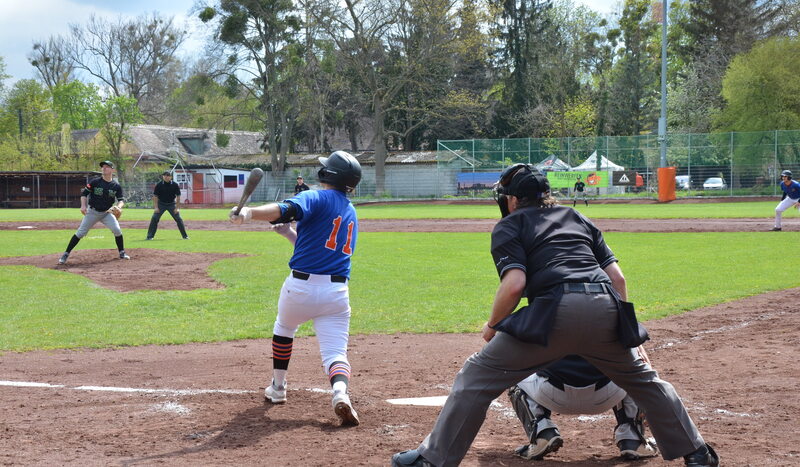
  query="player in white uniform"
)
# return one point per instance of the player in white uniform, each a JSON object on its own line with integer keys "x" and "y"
{"x": 317, "y": 287}
{"x": 791, "y": 196}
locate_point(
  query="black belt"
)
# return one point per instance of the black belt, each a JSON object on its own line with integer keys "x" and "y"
{"x": 585, "y": 287}
{"x": 303, "y": 276}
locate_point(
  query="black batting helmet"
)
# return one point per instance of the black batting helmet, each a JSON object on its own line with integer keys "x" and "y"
{"x": 521, "y": 181}
{"x": 340, "y": 170}
{"x": 786, "y": 173}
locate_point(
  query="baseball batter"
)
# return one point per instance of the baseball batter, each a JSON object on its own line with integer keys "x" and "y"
{"x": 791, "y": 196}
{"x": 317, "y": 286}
{"x": 100, "y": 196}
{"x": 574, "y": 386}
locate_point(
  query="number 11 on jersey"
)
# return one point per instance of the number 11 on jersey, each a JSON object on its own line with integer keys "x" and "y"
{"x": 331, "y": 243}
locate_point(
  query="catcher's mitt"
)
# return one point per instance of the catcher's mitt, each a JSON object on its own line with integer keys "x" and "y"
{"x": 116, "y": 211}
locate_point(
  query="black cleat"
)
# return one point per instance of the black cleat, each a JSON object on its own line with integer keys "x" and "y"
{"x": 410, "y": 458}
{"x": 703, "y": 457}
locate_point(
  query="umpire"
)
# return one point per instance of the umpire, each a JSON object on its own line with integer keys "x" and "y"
{"x": 166, "y": 197}
{"x": 575, "y": 288}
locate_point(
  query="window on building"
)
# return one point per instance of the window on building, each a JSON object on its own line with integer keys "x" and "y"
{"x": 231, "y": 181}
{"x": 193, "y": 144}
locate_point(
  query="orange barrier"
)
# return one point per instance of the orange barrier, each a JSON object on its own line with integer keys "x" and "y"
{"x": 666, "y": 184}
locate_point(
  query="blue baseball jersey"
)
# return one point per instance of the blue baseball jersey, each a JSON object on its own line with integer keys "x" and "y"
{"x": 792, "y": 191}
{"x": 327, "y": 229}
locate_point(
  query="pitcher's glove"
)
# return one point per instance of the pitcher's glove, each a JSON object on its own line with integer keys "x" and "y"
{"x": 116, "y": 211}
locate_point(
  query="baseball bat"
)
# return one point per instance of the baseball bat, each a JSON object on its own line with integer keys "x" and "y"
{"x": 252, "y": 182}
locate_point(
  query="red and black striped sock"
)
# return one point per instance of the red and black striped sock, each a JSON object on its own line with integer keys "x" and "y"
{"x": 281, "y": 352}
{"x": 339, "y": 371}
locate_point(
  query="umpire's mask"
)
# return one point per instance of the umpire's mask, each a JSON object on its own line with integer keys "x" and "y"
{"x": 522, "y": 181}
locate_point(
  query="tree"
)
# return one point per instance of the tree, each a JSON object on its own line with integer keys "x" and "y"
{"x": 203, "y": 102}
{"x": 634, "y": 95}
{"x": 27, "y": 120}
{"x": 52, "y": 61}
{"x": 3, "y": 76}
{"x": 115, "y": 116}
{"x": 362, "y": 31}
{"x": 262, "y": 36}
{"x": 128, "y": 56}
{"x": 762, "y": 92}
{"x": 76, "y": 104}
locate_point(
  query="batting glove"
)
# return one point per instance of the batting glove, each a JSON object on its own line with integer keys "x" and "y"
{"x": 244, "y": 215}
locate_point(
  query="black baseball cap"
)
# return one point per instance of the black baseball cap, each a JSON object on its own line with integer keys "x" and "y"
{"x": 108, "y": 163}
{"x": 166, "y": 172}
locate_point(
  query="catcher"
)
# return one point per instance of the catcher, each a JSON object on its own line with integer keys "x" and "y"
{"x": 574, "y": 386}
{"x": 101, "y": 201}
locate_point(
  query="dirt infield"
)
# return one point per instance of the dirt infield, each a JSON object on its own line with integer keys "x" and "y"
{"x": 734, "y": 364}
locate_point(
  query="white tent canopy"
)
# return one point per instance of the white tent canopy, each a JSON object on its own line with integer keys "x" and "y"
{"x": 591, "y": 164}
{"x": 552, "y": 163}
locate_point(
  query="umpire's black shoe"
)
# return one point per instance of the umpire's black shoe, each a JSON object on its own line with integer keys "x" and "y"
{"x": 775, "y": 229}
{"x": 410, "y": 458}
{"x": 703, "y": 457}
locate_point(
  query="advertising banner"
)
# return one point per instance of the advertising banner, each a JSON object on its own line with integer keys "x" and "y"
{"x": 592, "y": 179}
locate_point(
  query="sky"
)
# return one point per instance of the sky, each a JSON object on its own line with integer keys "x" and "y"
{"x": 24, "y": 21}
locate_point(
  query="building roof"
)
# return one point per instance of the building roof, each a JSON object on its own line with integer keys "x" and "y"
{"x": 63, "y": 173}
{"x": 163, "y": 140}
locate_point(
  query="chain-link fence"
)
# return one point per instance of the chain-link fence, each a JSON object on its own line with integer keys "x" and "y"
{"x": 747, "y": 163}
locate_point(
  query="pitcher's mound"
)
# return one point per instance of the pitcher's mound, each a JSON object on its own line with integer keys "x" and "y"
{"x": 146, "y": 270}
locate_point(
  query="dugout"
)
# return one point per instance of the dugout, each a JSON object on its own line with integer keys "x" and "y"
{"x": 41, "y": 189}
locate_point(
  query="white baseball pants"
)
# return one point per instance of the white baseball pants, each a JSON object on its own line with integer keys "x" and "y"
{"x": 327, "y": 304}
{"x": 92, "y": 217}
{"x": 578, "y": 401}
{"x": 785, "y": 204}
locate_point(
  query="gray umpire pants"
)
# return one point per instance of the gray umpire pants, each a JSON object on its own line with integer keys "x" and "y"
{"x": 92, "y": 217}
{"x": 585, "y": 325}
{"x": 168, "y": 207}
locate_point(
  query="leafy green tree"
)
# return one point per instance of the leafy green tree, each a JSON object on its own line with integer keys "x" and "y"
{"x": 262, "y": 36}
{"x": 115, "y": 117}
{"x": 634, "y": 92}
{"x": 3, "y": 76}
{"x": 762, "y": 88}
{"x": 203, "y": 102}
{"x": 76, "y": 103}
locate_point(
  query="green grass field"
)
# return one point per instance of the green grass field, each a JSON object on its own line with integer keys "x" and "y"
{"x": 763, "y": 209}
{"x": 402, "y": 282}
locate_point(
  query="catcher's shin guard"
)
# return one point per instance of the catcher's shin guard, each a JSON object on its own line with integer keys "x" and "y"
{"x": 519, "y": 400}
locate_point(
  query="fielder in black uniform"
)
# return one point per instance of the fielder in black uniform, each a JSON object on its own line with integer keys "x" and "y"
{"x": 559, "y": 260}
{"x": 166, "y": 197}
{"x": 580, "y": 190}
{"x": 301, "y": 186}
{"x": 97, "y": 198}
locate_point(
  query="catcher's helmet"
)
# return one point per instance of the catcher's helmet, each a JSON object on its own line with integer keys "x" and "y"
{"x": 521, "y": 181}
{"x": 786, "y": 173}
{"x": 340, "y": 170}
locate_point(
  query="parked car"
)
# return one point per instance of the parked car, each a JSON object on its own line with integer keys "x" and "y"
{"x": 714, "y": 183}
{"x": 683, "y": 182}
